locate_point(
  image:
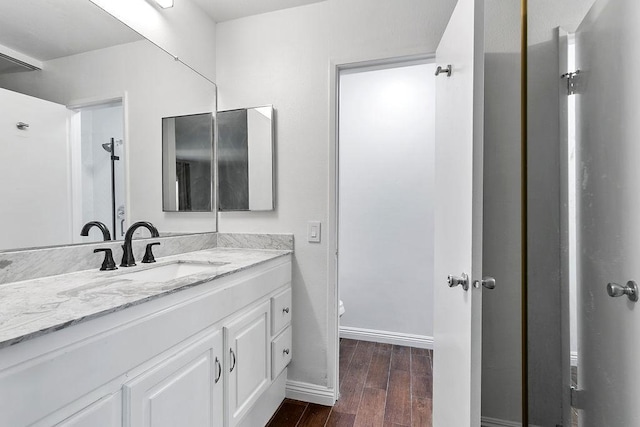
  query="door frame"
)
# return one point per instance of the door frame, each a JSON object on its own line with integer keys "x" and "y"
{"x": 76, "y": 106}
{"x": 565, "y": 221}
{"x": 335, "y": 68}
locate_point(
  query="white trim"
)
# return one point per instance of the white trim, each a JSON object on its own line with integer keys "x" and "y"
{"x": 311, "y": 393}
{"x": 20, "y": 58}
{"x": 397, "y": 338}
{"x": 496, "y": 422}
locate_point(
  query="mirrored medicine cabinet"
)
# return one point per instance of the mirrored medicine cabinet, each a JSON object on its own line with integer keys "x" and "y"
{"x": 188, "y": 158}
{"x": 246, "y": 159}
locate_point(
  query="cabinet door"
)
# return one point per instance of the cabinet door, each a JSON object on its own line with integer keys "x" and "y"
{"x": 183, "y": 390}
{"x": 248, "y": 360}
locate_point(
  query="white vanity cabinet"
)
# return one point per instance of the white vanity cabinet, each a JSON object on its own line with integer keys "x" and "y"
{"x": 202, "y": 356}
{"x": 281, "y": 331}
{"x": 106, "y": 412}
{"x": 185, "y": 389}
{"x": 249, "y": 362}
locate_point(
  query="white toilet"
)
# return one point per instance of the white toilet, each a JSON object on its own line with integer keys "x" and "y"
{"x": 340, "y": 308}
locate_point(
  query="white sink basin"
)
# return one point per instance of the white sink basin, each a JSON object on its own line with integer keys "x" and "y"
{"x": 174, "y": 270}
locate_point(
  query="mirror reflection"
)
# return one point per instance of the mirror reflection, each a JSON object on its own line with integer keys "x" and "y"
{"x": 102, "y": 180}
{"x": 570, "y": 180}
{"x": 187, "y": 163}
{"x": 245, "y": 159}
{"x": 93, "y": 94}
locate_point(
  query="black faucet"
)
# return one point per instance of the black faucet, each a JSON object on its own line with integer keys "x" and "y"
{"x": 148, "y": 253}
{"x": 108, "y": 263}
{"x": 105, "y": 231}
{"x": 127, "y": 250}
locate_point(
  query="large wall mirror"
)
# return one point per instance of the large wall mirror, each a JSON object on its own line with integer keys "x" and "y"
{"x": 93, "y": 94}
{"x": 583, "y": 119}
{"x": 245, "y": 159}
{"x": 187, "y": 163}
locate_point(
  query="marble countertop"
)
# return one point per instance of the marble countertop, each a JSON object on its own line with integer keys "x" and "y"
{"x": 35, "y": 307}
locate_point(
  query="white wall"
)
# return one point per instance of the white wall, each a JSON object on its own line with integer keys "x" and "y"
{"x": 281, "y": 58}
{"x": 386, "y": 185}
{"x": 34, "y": 172}
{"x": 155, "y": 86}
{"x": 184, "y": 30}
{"x": 284, "y": 58}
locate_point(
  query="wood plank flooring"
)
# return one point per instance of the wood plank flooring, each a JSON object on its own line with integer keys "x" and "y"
{"x": 380, "y": 385}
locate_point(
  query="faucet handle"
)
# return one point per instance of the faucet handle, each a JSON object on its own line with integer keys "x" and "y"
{"x": 148, "y": 253}
{"x": 108, "y": 263}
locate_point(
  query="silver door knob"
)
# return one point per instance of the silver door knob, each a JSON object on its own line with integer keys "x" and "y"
{"x": 462, "y": 280}
{"x": 630, "y": 290}
{"x": 488, "y": 282}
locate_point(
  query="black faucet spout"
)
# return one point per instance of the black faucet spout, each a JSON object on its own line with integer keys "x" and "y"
{"x": 105, "y": 231}
{"x": 127, "y": 249}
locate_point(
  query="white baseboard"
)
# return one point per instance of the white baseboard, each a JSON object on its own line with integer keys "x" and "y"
{"x": 311, "y": 393}
{"x": 496, "y": 422}
{"x": 409, "y": 340}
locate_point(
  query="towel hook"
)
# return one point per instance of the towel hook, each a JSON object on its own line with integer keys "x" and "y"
{"x": 441, "y": 70}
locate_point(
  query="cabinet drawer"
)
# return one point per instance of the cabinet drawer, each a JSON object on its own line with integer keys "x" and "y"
{"x": 280, "y": 311}
{"x": 106, "y": 412}
{"x": 280, "y": 352}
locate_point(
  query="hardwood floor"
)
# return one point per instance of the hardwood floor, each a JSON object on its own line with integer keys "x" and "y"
{"x": 380, "y": 385}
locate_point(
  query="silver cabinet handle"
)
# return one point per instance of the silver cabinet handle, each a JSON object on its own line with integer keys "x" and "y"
{"x": 462, "y": 280}
{"x": 630, "y": 290}
{"x": 219, "y": 373}
{"x": 233, "y": 358}
{"x": 285, "y": 351}
{"x": 285, "y": 310}
{"x": 441, "y": 70}
{"x": 488, "y": 282}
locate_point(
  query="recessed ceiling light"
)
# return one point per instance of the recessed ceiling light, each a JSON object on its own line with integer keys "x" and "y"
{"x": 164, "y": 3}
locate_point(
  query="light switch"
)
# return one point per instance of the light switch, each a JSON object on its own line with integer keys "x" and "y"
{"x": 313, "y": 231}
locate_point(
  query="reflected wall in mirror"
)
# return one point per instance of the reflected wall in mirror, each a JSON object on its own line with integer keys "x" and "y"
{"x": 82, "y": 63}
{"x": 245, "y": 159}
{"x": 187, "y": 163}
{"x": 555, "y": 174}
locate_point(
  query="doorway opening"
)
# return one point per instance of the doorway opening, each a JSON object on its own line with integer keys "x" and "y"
{"x": 98, "y": 167}
{"x": 385, "y": 215}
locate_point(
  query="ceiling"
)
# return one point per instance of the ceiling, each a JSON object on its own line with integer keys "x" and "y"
{"x": 225, "y": 10}
{"x": 41, "y": 28}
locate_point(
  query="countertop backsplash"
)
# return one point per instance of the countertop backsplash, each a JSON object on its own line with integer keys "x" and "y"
{"x": 42, "y": 262}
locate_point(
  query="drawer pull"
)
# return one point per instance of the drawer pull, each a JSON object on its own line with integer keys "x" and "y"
{"x": 285, "y": 310}
{"x": 285, "y": 351}
{"x": 219, "y": 374}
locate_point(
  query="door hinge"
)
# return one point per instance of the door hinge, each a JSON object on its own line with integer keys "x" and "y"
{"x": 572, "y": 81}
{"x": 576, "y": 397}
